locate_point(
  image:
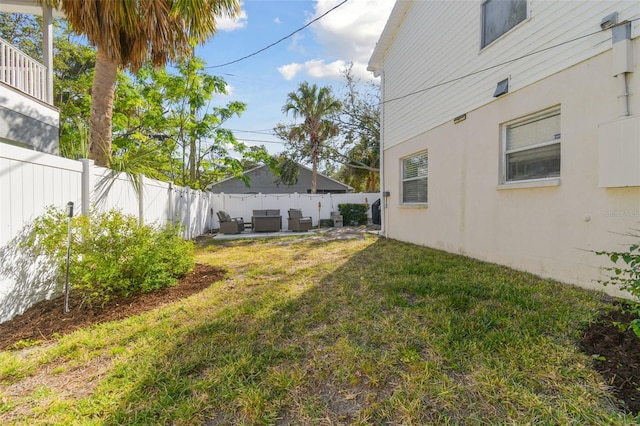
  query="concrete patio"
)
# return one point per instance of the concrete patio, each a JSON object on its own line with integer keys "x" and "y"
{"x": 249, "y": 235}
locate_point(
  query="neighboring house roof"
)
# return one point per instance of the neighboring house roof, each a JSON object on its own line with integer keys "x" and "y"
{"x": 263, "y": 180}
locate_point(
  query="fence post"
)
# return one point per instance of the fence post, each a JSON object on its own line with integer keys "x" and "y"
{"x": 87, "y": 187}
{"x": 169, "y": 209}
{"x": 140, "y": 186}
{"x": 187, "y": 224}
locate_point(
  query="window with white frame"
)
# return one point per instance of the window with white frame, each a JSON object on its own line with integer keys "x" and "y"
{"x": 415, "y": 178}
{"x": 499, "y": 16}
{"x": 532, "y": 147}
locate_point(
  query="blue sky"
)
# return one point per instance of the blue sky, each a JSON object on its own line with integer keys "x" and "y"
{"x": 316, "y": 54}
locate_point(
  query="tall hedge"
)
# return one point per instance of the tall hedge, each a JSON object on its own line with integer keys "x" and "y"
{"x": 353, "y": 214}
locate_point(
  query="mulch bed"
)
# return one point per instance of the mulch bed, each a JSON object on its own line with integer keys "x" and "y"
{"x": 616, "y": 355}
{"x": 46, "y": 319}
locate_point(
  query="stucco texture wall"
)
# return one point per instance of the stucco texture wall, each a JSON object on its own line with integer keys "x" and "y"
{"x": 547, "y": 230}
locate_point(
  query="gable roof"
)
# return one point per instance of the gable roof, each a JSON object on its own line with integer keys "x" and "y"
{"x": 346, "y": 187}
{"x": 399, "y": 11}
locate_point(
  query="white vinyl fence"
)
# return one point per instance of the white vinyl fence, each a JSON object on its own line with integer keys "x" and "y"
{"x": 318, "y": 206}
{"x": 31, "y": 181}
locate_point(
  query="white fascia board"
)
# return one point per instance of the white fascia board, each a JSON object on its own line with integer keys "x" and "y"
{"x": 396, "y": 18}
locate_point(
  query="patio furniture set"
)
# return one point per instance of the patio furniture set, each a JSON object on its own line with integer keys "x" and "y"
{"x": 264, "y": 221}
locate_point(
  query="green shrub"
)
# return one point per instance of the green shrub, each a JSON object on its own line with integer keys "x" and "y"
{"x": 353, "y": 213}
{"x": 626, "y": 274}
{"x": 326, "y": 223}
{"x": 111, "y": 254}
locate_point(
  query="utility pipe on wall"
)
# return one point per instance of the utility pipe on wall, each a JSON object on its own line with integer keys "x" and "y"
{"x": 622, "y": 63}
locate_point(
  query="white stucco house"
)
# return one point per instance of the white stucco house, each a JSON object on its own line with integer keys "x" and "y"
{"x": 27, "y": 116}
{"x": 511, "y": 130}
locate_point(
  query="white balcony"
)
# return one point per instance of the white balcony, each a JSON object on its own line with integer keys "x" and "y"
{"x": 22, "y": 72}
{"x": 28, "y": 117}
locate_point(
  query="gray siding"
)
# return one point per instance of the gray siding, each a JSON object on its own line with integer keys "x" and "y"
{"x": 263, "y": 181}
{"x": 28, "y": 123}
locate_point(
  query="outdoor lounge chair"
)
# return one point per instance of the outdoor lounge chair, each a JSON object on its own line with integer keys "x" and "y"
{"x": 297, "y": 222}
{"x": 229, "y": 225}
{"x": 266, "y": 221}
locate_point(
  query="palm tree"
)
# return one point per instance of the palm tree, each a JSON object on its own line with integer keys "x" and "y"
{"x": 314, "y": 106}
{"x": 128, "y": 33}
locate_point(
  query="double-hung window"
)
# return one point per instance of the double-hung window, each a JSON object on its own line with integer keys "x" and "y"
{"x": 415, "y": 178}
{"x": 499, "y": 16}
{"x": 532, "y": 147}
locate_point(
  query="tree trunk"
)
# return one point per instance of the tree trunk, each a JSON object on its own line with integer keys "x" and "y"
{"x": 314, "y": 168}
{"x": 102, "y": 92}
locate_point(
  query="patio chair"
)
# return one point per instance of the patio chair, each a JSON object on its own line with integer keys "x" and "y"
{"x": 229, "y": 225}
{"x": 266, "y": 221}
{"x": 299, "y": 223}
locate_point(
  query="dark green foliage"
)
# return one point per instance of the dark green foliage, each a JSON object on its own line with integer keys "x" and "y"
{"x": 353, "y": 214}
{"x": 626, "y": 274}
{"x": 326, "y": 223}
{"x": 111, "y": 254}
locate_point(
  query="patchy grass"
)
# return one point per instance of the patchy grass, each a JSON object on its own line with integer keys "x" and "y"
{"x": 304, "y": 331}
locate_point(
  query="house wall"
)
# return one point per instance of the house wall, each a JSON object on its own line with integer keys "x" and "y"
{"x": 547, "y": 230}
{"x": 439, "y": 41}
{"x": 262, "y": 181}
{"x": 27, "y": 122}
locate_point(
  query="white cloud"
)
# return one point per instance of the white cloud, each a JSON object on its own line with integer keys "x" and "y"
{"x": 295, "y": 45}
{"x": 289, "y": 71}
{"x": 351, "y": 32}
{"x": 224, "y": 23}
{"x": 317, "y": 68}
{"x": 277, "y": 21}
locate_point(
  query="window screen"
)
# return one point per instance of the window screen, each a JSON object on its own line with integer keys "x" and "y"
{"x": 499, "y": 16}
{"x": 414, "y": 178}
{"x": 532, "y": 148}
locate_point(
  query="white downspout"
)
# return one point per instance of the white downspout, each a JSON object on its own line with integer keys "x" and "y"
{"x": 383, "y": 199}
{"x": 623, "y": 95}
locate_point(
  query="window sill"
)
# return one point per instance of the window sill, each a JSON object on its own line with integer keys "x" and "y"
{"x": 414, "y": 206}
{"x": 539, "y": 183}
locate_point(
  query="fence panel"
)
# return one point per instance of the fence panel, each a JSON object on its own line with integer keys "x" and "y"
{"x": 242, "y": 205}
{"x": 31, "y": 181}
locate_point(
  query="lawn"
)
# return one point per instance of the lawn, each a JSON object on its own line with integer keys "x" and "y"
{"x": 311, "y": 331}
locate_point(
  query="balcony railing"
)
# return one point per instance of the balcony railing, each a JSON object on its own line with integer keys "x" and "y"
{"x": 22, "y": 72}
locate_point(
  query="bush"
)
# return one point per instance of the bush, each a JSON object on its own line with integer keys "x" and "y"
{"x": 326, "y": 223}
{"x": 353, "y": 214}
{"x": 626, "y": 274}
{"x": 111, "y": 254}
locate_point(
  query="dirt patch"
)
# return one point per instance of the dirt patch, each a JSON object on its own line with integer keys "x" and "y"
{"x": 616, "y": 355}
{"x": 46, "y": 320}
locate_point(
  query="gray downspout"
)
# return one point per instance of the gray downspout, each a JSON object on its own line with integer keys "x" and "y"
{"x": 622, "y": 63}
